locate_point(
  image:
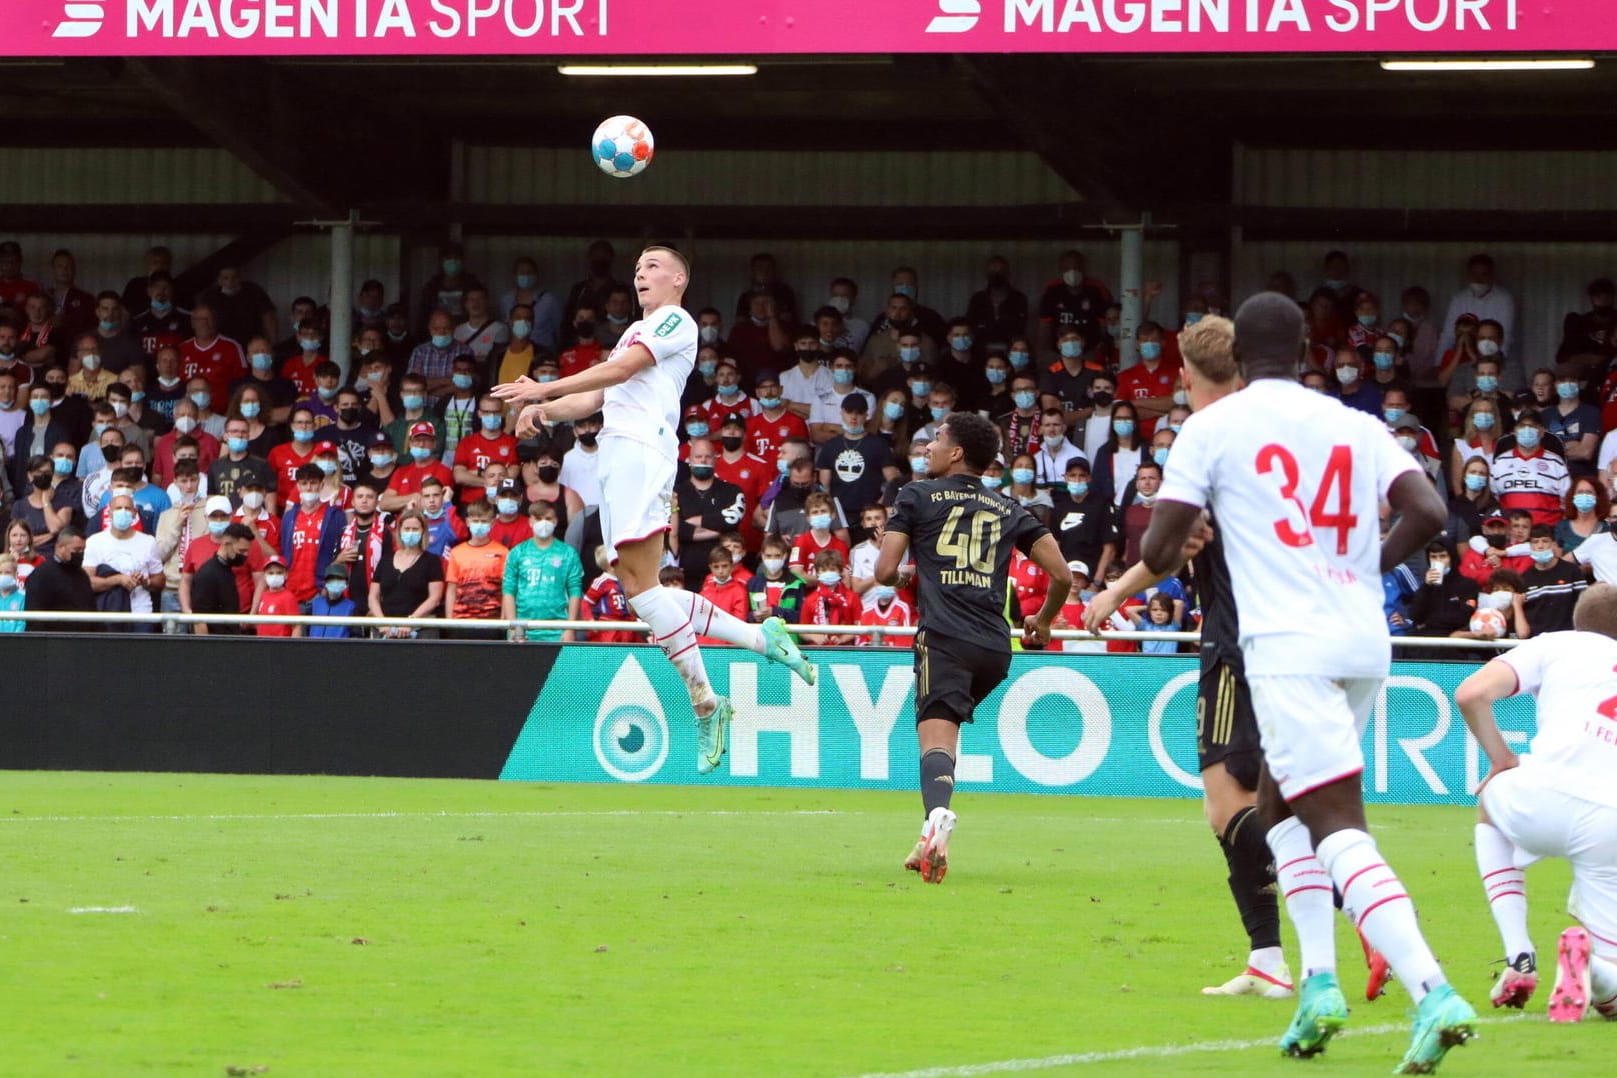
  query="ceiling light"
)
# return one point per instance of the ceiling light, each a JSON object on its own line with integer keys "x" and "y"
{"x": 643, "y": 70}
{"x": 1583, "y": 63}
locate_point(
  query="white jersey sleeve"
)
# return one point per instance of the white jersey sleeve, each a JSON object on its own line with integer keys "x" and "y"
{"x": 646, "y": 407}
{"x": 1188, "y": 478}
{"x": 1573, "y": 677}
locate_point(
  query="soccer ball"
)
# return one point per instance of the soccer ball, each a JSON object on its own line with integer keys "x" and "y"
{"x": 1489, "y": 622}
{"x": 622, "y": 146}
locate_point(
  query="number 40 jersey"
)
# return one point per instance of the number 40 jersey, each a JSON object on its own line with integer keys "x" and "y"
{"x": 1296, "y": 480}
{"x": 961, "y": 536}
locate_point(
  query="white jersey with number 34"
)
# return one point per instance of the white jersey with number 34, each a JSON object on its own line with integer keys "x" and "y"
{"x": 646, "y": 407}
{"x": 1573, "y": 676}
{"x": 1295, "y": 479}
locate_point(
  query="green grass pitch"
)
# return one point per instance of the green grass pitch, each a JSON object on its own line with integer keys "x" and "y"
{"x": 318, "y": 926}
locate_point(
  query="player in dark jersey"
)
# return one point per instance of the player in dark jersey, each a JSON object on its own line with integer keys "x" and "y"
{"x": 1229, "y": 752}
{"x": 961, "y": 535}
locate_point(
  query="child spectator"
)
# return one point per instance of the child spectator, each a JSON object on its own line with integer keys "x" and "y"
{"x": 1553, "y": 585}
{"x": 737, "y": 546}
{"x": 543, "y": 578}
{"x": 474, "y": 572}
{"x": 774, "y": 592}
{"x": 1491, "y": 551}
{"x": 277, "y": 600}
{"x": 333, "y": 601}
{"x": 671, "y": 577}
{"x": 862, "y": 558}
{"x": 606, "y": 601}
{"x": 819, "y": 538}
{"x": 11, "y": 595}
{"x": 1157, "y": 617}
{"x": 310, "y": 532}
{"x": 1123, "y": 620}
{"x": 444, "y": 526}
{"x": 889, "y": 610}
{"x": 1031, "y": 583}
{"x": 1506, "y": 593}
{"x": 829, "y": 601}
{"x": 1072, "y": 614}
{"x": 722, "y": 589}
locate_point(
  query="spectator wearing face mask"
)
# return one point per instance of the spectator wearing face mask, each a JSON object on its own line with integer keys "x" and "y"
{"x": 1584, "y": 515}
{"x": 1149, "y": 385}
{"x": 1352, "y": 388}
{"x": 51, "y": 502}
{"x": 585, "y": 349}
{"x": 207, "y": 539}
{"x": 1446, "y": 599}
{"x": 332, "y": 600}
{"x": 774, "y": 591}
{"x": 543, "y": 578}
{"x": 827, "y": 530}
{"x": 410, "y": 582}
{"x": 1019, "y": 428}
{"x": 1473, "y": 504}
{"x": 12, "y": 597}
{"x": 1082, "y": 520}
{"x": 1502, "y": 544}
{"x": 1024, "y": 487}
{"x": 60, "y": 583}
{"x": 277, "y": 600}
{"x": 1529, "y": 475}
{"x": 1418, "y": 442}
{"x": 124, "y": 568}
{"x": 1386, "y": 369}
{"x": 1575, "y": 423}
{"x": 1483, "y": 299}
{"x": 185, "y": 426}
{"x": 828, "y": 600}
{"x": 1116, "y": 461}
{"x": 1478, "y": 440}
{"x": 1055, "y": 451}
{"x": 1553, "y": 585}
{"x": 889, "y": 609}
{"x": 311, "y": 532}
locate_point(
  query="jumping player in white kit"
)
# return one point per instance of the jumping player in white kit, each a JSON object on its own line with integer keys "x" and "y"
{"x": 637, "y": 390}
{"x": 1294, "y": 480}
{"x": 1558, "y": 800}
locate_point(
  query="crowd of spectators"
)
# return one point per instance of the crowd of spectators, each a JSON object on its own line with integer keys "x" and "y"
{"x": 210, "y": 454}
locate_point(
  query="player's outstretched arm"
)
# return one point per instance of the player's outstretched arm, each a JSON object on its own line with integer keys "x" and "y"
{"x": 568, "y": 409}
{"x": 615, "y": 371}
{"x": 1138, "y": 577}
{"x": 1046, "y": 554}
{"x": 1421, "y": 515}
{"x": 1172, "y": 525}
{"x": 1475, "y": 697}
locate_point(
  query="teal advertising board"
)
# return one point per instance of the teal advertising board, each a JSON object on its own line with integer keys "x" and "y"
{"x": 1092, "y": 725}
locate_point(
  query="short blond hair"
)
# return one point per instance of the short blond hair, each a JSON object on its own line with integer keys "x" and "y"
{"x": 675, "y": 253}
{"x": 1209, "y": 346}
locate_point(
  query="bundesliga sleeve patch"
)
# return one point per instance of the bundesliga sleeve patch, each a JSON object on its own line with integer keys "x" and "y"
{"x": 668, "y": 325}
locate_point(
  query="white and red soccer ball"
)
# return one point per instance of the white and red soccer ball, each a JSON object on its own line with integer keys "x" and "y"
{"x": 622, "y": 146}
{"x": 1489, "y": 622}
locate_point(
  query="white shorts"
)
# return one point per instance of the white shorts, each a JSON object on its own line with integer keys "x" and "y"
{"x": 1530, "y": 810}
{"x": 637, "y": 491}
{"x": 1310, "y": 727}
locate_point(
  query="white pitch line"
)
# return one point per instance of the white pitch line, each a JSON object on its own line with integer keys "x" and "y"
{"x": 417, "y": 815}
{"x": 1149, "y": 1051}
{"x": 103, "y": 909}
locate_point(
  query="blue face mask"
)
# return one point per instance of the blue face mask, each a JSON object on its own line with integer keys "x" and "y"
{"x": 782, "y": 467}
{"x": 961, "y": 343}
{"x": 507, "y": 507}
{"x": 996, "y": 375}
{"x": 335, "y": 589}
{"x": 1072, "y": 349}
{"x": 1483, "y": 420}
{"x": 1367, "y": 320}
{"x": 909, "y": 353}
{"x": 905, "y": 290}
{"x": 893, "y": 410}
{"x": 1584, "y": 503}
{"x": 451, "y": 266}
{"x": 1024, "y": 398}
{"x": 1019, "y": 359}
{"x": 1150, "y": 350}
{"x": 216, "y": 528}
{"x": 1160, "y": 455}
{"x": 108, "y": 327}
{"x": 1487, "y": 383}
{"x": 992, "y": 482}
{"x": 920, "y": 389}
{"x": 708, "y": 368}
{"x": 1475, "y": 482}
{"x": 202, "y": 400}
{"x": 729, "y": 391}
{"x": 918, "y": 467}
{"x": 410, "y": 538}
{"x": 696, "y": 430}
{"x": 701, "y": 471}
{"x": 938, "y": 414}
{"x": 1543, "y": 557}
{"x": 328, "y": 467}
{"x": 236, "y": 445}
{"x": 1566, "y": 390}
{"x": 249, "y": 409}
{"x": 491, "y": 422}
{"x": 419, "y": 453}
{"x": 1392, "y": 415}
{"x": 1384, "y": 360}
{"x": 302, "y": 437}
{"x": 479, "y": 529}
{"x": 842, "y": 376}
{"x": 136, "y": 396}
{"x": 1527, "y": 437}
{"x": 263, "y": 361}
{"x": 1123, "y": 427}
{"x": 412, "y": 401}
{"x": 161, "y": 306}
{"x": 326, "y": 392}
{"x": 853, "y": 430}
{"x": 526, "y": 281}
{"x": 821, "y": 521}
{"x": 1022, "y": 476}
{"x": 62, "y": 465}
{"x": 309, "y": 344}
{"x": 123, "y": 519}
{"x": 546, "y": 378}
{"x": 442, "y": 340}
{"x": 1076, "y": 488}
{"x": 39, "y": 405}
{"x": 463, "y": 381}
{"x": 1193, "y": 317}
{"x": 769, "y": 403}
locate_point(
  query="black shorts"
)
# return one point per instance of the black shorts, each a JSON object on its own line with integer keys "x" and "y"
{"x": 1226, "y": 728}
{"x": 951, "y": 681}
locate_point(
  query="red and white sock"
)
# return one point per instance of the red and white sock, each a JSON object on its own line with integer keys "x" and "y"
{"x": 1306, "y": 888}
{"x": 1506, "y": 887}
{"x": 672, "y": 630}
{"x": 709, "y": 620}
{"x": 1374, "y": 899}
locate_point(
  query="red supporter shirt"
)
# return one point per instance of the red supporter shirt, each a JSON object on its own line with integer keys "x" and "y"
{"x": 830, "y": 606}
{"x": 477, "y": 453}
{"x": 580, "y": 357}
{"x": 280, "y": 602}
{"x": 300, "y": 372}
{"x": 805, "y": 547}
{"x": 765, "y": 435}
{"x": 267, "y": 527}
{"x": 752, "y": 475}
{"x": 1137, "y": 383}
{"x": 1032, "y": 584}
{"x": 730, "y": 597}
{"x": 605, "y": 601}
{"x": 407, "y": 480}
{"x": 221, "y": 362}
{"x": 509, "y": 534}
{"x": 15, "y": 290}
{"x": 898, "y": 613}
{"x": 714, "y": 409}
{"x": 284, "y": 461}
{"x": 204, "y": 547}
{"x": 306, "y": 527}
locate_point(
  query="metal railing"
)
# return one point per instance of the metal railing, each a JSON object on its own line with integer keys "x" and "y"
{"x": 171, "y": 621}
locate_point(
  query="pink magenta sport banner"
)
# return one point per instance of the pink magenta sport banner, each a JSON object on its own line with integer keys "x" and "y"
{"x": 582, "y": 28}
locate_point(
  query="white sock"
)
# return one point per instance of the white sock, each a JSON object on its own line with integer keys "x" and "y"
{"x": 671, "y": 630}
{"x": 1374, "y": 899}
{"x": 1506, "y": 887}
{"x": 709, "y": 620}
{"x": 1602, "y": 980}
{"x": 1306, "y": 888}
{"x": 1269, "y": 961}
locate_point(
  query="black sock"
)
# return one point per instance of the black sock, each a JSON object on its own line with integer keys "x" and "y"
{"x": 937, "y": 779}
{"x": 1252, "y": 877}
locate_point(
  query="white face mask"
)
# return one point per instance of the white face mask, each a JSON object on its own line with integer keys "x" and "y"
{"x": 1499, "y": 600}
{"x": 544, "y": 529}
{"x": 274, "y": 580}
{"x": 253, "y": 499}
{"x": 185, "y": 424}
{"x": 774, "y": 565}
